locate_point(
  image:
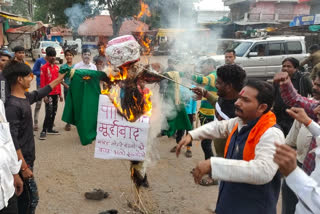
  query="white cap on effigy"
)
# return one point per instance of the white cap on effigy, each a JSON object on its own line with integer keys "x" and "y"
{"x": 123, "y": 50}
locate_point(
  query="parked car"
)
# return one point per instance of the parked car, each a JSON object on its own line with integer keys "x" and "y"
{"x": 262, "y": 57}
{"x": 40, "y": 50}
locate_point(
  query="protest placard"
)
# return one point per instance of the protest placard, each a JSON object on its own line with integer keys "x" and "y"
{"x": 118, "y": 138}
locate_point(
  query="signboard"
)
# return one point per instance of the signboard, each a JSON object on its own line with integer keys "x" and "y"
{"x": 305, "y": 20}
{"x": 118, "y": 138}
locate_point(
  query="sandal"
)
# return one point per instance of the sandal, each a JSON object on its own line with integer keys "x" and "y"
{"x": 192, "y": 170}
{"x": 208, "y": 182}
{"x": 67, "y": 127}
{"x": 113, "y": 211}
{"x": 96, "y": 194}
{"x": 173, "y": 149}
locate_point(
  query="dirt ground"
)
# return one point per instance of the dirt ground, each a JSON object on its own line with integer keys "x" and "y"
{"x": 65, "y": 170}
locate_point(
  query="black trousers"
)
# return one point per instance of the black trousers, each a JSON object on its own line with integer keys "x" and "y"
{"x": 206, "y": 144}
{"x": 51, "y": 110}
{"x": 180, "y": 133}
{"x": 12, "y": 207}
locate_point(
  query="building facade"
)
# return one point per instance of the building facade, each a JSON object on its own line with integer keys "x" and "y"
{"x": 267, "y": 11}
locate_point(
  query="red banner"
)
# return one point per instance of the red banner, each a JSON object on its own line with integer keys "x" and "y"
{"x": 301, "y": 1}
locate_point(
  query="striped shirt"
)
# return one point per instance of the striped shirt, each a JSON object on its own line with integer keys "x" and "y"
{"x": 209, "y": 83}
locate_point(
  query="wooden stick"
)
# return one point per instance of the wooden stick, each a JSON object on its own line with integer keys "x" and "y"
{"x": 173, "y": 81}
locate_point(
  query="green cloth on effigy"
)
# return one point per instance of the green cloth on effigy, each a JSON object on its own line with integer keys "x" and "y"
{"x": 81, "y": 107}
{"x": 180, "y": 119}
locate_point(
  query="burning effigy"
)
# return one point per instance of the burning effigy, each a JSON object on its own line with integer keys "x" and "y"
{"x": 126, "y": 88}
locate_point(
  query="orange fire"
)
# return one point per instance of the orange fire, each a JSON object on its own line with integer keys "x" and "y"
{"x": 147, "y": 104}
{"x": 144, "y": 41}
{"x": 144, "y": 10}
{"x": 122, "y": 75}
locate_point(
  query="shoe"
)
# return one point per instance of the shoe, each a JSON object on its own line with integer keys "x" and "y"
{"x": 67, "y": 127}
{"x": 53, "y": 132}
{"x": 35, "y": 127}
{"x": 188, "y": 154}
{"x": 113, "y": 211}
{"x": 96, "y": 194}
{"x": 43, "y": 136}
{"x": 173, "y": 149}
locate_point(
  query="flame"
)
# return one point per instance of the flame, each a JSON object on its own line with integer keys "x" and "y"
{"x": 147, "y": 104}
{"x": 144, "y": 41}
{"x": 144, "y": 10}
{"x": 122, "y": 75}
{"x": 147, "y": 108}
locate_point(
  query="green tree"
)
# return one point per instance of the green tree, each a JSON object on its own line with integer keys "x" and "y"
{"x": 21, "y": 7}
{"x": 53, "y": 12}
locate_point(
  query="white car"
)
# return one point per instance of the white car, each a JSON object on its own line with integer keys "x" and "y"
{"x": 40, "y": 50}
{"x": 262, "y": 57}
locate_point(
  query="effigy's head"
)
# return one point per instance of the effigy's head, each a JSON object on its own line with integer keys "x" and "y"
{"x": 123, "y": 50}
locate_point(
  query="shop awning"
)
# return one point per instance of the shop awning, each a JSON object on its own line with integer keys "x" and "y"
{"x": 15, "y": 17}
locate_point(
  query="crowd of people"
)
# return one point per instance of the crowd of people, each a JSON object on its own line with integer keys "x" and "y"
{"x": 261, "y": 132}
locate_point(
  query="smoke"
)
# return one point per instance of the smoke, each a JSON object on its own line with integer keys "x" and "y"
{"x": 78, "y": 13}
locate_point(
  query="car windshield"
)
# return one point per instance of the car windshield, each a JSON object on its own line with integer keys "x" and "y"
{"x": 52, "y": 44}
{"x": 240, "y": 47}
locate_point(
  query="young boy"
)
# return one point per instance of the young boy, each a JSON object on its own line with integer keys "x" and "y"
{"x": 69, "y": 57}
{"x": 36, "y": 70}
{"x": 19, "y": 116}
{"x": 50, "y": 72}
{"x": 19, "y": 54}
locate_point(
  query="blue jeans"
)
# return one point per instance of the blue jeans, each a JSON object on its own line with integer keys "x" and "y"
{"x": 28, "y": 200}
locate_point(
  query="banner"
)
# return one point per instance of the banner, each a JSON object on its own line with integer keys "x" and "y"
{"x": 118, "y": 138}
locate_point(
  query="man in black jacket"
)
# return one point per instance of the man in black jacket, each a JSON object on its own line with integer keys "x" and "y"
{"x": 301, "y": 82}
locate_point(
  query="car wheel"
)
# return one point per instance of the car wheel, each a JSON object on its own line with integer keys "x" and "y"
{"x": 61, "y": 61}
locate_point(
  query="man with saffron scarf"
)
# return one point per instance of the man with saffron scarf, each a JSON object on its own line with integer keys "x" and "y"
{"x": 250, "y": 181}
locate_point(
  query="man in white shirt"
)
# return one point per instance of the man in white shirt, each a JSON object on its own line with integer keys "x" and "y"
{"x": 85, "y": 63}
{"x": 11, "y": 182}
{"x": 250, "y": 183}
{"x": 306, "y": 188}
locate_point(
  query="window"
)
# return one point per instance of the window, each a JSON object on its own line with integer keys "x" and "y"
{"x": 240, "y": 47}
{"x": 259, "y": 48}
{"x": 294, "y": 47}
{"x": 276, "y": 49}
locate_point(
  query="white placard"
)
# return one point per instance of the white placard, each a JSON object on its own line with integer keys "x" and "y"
{"x": 317, "y": 19}
{"x": 118, "y": 138}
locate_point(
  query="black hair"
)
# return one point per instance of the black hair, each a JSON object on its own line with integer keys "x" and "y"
{"x": 314, "y": 48}
{"x": 15, "y": 69}
{"x": 18, "y": 48}
{"x": 99, "y": 59}
{"x": 265, "y": 92}
{"x": 230, "y": 51}
{"x": 68, "y": 51}
{"x": 86, "y": 50}
{"x": 100, "y": 44}
{"x": 293, "y": 61}
{"x": 232, "y": 74}
{"x": 50, "y": 51}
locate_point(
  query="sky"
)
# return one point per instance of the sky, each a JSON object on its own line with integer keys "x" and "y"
{"x": 211, "y": 5}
